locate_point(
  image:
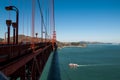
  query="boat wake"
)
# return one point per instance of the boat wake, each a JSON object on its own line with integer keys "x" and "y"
{"x": 74, "y": 65}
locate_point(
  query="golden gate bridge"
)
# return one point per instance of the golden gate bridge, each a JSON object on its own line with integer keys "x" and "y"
{"x": 26, "y": 59}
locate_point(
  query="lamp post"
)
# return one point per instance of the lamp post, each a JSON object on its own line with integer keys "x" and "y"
{"x": 14, "y": 26}
{"x": 36, "y": 36}
{"x": 5, "y": 36}
{"x": 8, "y": 8}
{"x": 8, "y": 23}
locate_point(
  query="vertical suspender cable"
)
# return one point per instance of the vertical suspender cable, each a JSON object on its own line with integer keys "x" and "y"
{"x": 27, "y": 29}
{"x": 49, "y": 20}
{"x": 41, "y": 29}
{"x": 46, "y": 27}
{"x": 33, "y": 21}
{"x": 23, "y": 27}
{"x": 53, "y": 40}
{"x": 42, "y": 8}
{"x": 33, "y": 17}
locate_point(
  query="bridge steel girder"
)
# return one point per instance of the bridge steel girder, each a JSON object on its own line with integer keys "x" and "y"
{"x": 28, "y": 67}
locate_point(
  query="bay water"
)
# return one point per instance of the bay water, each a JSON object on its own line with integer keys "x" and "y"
{"x": 95, "y": 62}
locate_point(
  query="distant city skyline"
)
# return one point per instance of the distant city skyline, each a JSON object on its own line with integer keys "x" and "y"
{"x": 75, "y": 20}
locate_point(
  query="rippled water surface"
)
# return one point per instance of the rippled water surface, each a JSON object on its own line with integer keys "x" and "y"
{"x": 95, "y": 62}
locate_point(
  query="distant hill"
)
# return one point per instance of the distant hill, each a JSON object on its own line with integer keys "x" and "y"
{"x": 23, "y": 38}
{"x": 65, "y": 44}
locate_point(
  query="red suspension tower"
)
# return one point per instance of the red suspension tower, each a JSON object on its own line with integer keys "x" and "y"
{"x": 53, "y": 39}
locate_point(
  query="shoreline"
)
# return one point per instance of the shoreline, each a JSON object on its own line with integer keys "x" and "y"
{"x": 71, "y": 46}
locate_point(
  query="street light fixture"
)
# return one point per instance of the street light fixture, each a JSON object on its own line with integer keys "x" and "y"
{"x": 36, "y": 34}
{"x": 8, "y": 8}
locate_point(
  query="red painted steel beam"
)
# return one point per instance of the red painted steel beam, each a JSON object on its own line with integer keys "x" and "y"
{"x": 14, "y": 66}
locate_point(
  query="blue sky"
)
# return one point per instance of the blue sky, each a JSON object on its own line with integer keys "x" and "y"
{"x": 89, "y": 20}
{"x": 75, "y": 20}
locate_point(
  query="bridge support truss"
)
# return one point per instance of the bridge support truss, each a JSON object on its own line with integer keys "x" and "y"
{"x": 28, "y": 67}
